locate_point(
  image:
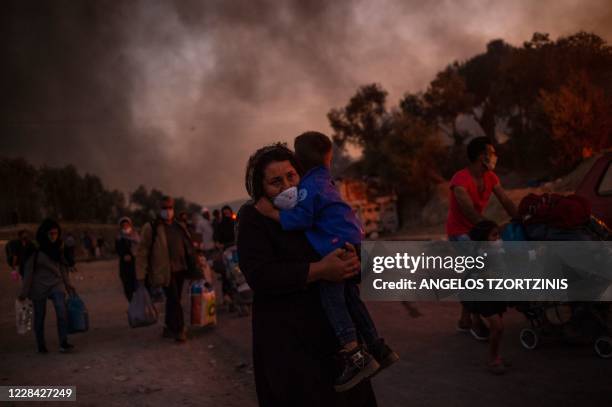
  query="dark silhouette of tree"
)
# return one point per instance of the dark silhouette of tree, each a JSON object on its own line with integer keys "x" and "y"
{"x": 446, "y": 98}
{"x": 580, "y": 119}
{"x": 399, "y": 146}
{"x": 364, "y": 122}
{"x": 20, "y": 199}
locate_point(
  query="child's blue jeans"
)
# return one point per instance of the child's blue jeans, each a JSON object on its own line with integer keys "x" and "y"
{"x": 346, "y": 312}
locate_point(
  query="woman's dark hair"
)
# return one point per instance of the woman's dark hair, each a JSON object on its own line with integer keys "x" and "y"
{"x": 259, "y": 161}
{"x": 52, "y": 249}
{"x": 482, "y": 230}
{"x": 476, "y": 147}
{"x": 311, "y": 148}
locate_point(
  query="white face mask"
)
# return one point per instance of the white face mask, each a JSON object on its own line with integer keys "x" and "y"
{"x": 286, "y": 199}
{"x": 167, "y": 214}
{"x": 490, "y": 162}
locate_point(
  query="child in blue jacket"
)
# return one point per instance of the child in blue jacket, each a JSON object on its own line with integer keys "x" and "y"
{"x": 330, "y": 223}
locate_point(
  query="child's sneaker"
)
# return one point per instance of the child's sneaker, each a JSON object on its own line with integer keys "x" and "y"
{"x": 358, "y": 365}
{"x": 384, "y": 355}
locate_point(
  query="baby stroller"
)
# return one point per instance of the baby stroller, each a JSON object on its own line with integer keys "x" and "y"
{"x": 574, "y": 322}
{"x": 569, "y": 321}
{"x": 239, "y": 290}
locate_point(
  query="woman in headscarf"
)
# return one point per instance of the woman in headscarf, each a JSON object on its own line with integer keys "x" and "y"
{"x": 293, "y": 342}
{"x": 125, "y": 244}
{"x": 46, "y": 278}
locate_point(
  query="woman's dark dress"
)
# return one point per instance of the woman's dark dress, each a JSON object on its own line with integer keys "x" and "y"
{"x": 293, "y": 343}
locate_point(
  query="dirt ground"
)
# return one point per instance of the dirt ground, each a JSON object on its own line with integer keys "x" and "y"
{"x": 118, "y": 366}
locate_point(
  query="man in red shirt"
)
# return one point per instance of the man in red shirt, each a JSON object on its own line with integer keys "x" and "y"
{"x": 470, "y": 191}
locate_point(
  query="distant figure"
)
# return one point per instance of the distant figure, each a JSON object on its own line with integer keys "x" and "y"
{"x": 17, "y": 251}
{"x": 216, "y": 218}
{"x": 205, "y": 228}
{"x": 162, "y": 258}
{"x": 70, "y": 249}
{"x": 185, "y": 220}
{"x": 126, "y": 244}
{"x": 224, "y": 233}
{"x": 100, "y": 246}
{"x": 88, "y": 245}
{"x": 46, "y": 278}
{"x": 470, "y": 191}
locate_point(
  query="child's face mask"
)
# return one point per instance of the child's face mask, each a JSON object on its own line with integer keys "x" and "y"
{"x": 286, "y": 199}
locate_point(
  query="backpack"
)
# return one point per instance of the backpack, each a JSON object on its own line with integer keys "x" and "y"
{"x": 30, "y": 250}
{"x": 555, "y": 210}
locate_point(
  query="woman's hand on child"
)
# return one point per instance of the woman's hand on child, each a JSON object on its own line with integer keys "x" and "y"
{"x": 265, "y": 207}
{"x": 339, "y": 265}
{"x": 349, "y": 250}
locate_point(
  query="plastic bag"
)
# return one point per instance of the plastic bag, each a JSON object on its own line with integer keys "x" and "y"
{"x": 203, "y": 305}
{"x": 78, "y": 317}
{"x": 141, "y": 311}
{"x": 156, "y": 294}
{"x": 23, "y": 314}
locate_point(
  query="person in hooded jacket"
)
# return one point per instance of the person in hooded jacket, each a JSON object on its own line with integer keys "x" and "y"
{"x": 125, "y": 244}
{"x": 224, "y": 232}
{"x": 46, "y": 278}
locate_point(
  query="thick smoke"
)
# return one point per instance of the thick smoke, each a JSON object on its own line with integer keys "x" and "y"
{"x": 177, "y": 94}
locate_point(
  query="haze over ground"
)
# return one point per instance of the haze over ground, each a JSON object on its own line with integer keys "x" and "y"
{"x": 177, "y": 94}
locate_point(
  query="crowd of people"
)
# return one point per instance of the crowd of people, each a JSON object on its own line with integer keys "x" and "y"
{"x": 158, "y": 257}
{"x": 314, "y": 341}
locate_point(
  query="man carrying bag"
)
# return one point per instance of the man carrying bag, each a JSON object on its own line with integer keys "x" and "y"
{"x": 165, "y": 257}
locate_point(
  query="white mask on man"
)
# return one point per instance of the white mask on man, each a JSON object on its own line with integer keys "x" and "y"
{"x": 167, "y": 214}
{"x": 286, "y": 199}
{"x": 490, "y": 162}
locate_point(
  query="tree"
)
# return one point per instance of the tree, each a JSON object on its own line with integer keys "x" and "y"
{"x": 446, "y": 98}
{"x": 399, "y": 146}
{"x": 413, "y": 155}
{"x": 20, "y": 198}
{"x": 145, "y": 204}
{"x": 580, "y": 119}
{"x": 365, "y": 122}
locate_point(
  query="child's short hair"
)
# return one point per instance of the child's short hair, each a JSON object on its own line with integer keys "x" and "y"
{"x": 311, "y": 148}
{"x": 482, "y": 230}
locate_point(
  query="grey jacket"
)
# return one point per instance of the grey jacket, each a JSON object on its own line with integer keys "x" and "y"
{"x": 48, "y": 276}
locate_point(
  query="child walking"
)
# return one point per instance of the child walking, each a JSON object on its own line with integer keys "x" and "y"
{"x": 492, "y": 311}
